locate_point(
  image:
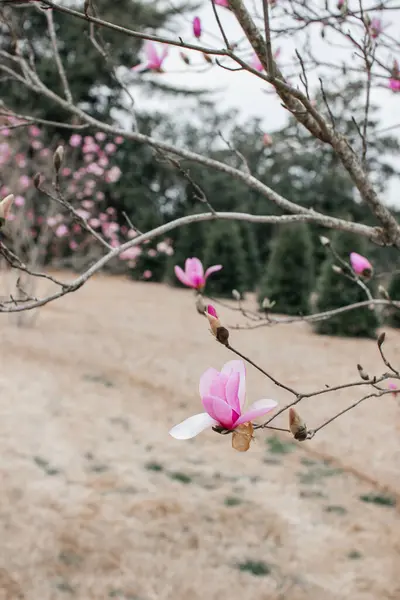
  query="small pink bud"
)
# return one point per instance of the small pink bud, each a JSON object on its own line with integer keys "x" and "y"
{"x": 360, "y": 265}
{"x": 197, "y": 27}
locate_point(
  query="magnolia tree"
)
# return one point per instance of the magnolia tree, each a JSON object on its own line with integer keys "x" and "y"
{"x": 360, "y": 34}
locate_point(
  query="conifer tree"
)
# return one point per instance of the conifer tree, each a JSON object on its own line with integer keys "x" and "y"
{"x": 289, "y": 275}
{"x": 335, "y": 290}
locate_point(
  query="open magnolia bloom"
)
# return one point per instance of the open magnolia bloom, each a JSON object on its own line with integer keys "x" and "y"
{"x": 154, "y": 61}
{"x": 223, "y": 396}
{"x": 193, "y": 275}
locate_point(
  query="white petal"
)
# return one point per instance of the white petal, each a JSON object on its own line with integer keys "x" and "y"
{"x": 192, "y": 426}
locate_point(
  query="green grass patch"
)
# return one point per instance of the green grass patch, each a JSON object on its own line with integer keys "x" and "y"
{"x": 259, "y": 568}
{"x": 380, "y": 499}
{"x": 277, "y": 446}
{"x": 154, "y": 466}
{"x": 182, "y": 477}
{"x": 232, "y": 501}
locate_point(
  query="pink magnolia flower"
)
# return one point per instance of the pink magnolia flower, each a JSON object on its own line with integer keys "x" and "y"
{"x": 24, "y": 181}
{"x": 224, "y": 3}
{"x": 223, "y": 396}
{"x": 5, "y": 132}
{"x": 193, "y": 276}
{"x": 100, "y": 136}
{"x": 88, "y": 204}
{"x": 256, "y": 63}
{"x": 119, "y": 139}
{"x": 66, "y": 172}
{"x": 37, "y": 145}
{"x": 360, "y": 264}
{"x": 110, "y": 148}
{"x": 88, "y": 139}
{"x": 75, "y": 140}
{"x": 61, "y": 230}
{"x": 19, "y": 200}
{"x": 154, "y": 60}
{"x": 130, "y": 253}
{"x": 113, "y": 174}
{"x": 45, "y": 152}
{"x": 394, "y": 84}
{"x": 95, "y": 223}
{"x": 375, "y": 28}
{"x": 147, "y": 274}
{"x": 34, "y": 131}
{"x": 73, "y": 245}
{"x": 197, "y": 27}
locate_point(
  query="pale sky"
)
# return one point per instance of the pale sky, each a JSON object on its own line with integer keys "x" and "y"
{"x": 243, "y": 91}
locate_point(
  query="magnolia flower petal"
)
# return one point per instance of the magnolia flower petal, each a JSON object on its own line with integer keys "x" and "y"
{"x": 194, "y": 267}
{"x": 219, "y": 410}
{"x": 151, "y": 52}
{"x": 239, "y": 367}
{"x": 359, "y": 263}
{"x": 192, "y": 426}
{"x": 212, "y": 270}
{"x": 140, "y": 67}
{"x": 206, "y": 380}
{"x": 232, "y": 392}
{"x": 257, "y": 409}
{"x": 181, "y": 275}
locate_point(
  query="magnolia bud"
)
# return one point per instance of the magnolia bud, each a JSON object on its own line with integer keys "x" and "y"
{"x": 200, "y": 305}
{"x": 212, "y": 317}
{"x": 381, "y": 339}
{"x": 58, "y": 158}
{"x": 297, "y": 426}
{"x": 242, "y": 436}
{"x": 236, "y": 295}
{"x": 5, "y": 206}
{"x": 208, "y": 59}
{"x": 337, "y": 269}
{"x": 37, "y": 180}
{"x": 185, "y": 58}
{"x": 324, "y": 240}
{"x": 362, "y": 373}
{"x": 383, "y": 292}
{"x": 267, "y": 304}
{"x": 222, "y": 335}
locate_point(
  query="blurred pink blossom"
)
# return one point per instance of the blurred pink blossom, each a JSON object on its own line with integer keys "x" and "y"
{"x": 394, "y": 85}
{"x": 147, "y": 274}
{"x": 75, "y": 140}
{"x": 153, "y": 60}
{"x": 100, "y": 136}
{"x": 19, "y": 201}
{"x": 83, "y": 213}
{"x": 119, "y": 139}
{"x": 24, "y": 181}
{"x": 130, "y": 253}
{"x": 37, "y": 144}
{"x": 34, "y": 131}
{"x": 6, "y": 132}
{"x": 103, "y": 161}
{"x": 66, "y": 172}
{"x": 95, "y": 223}
{"x": 73, "y": 245}
{"x": 375, "y": 28}
{"x": 113, "y": 174}
{"x": 152, "y": 252}
{"x": 223, "y": 395}
{"x": 88, "y": 204}
{"x": 100, "y": 196}
{"x": 61, "y": 230}
{"x": 110, "y": 148}
{"x": 76, "y": 228}
{"x": 45, "y": 152}
{"x": 88, "y": 139}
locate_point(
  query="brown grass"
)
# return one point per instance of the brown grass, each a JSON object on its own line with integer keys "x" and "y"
{"x": 98, "y": 501}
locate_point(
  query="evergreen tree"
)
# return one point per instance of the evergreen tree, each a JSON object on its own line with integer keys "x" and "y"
{"x": 394, "y": 292}
{"x": 289, "y": 275}
{"x": 224, "y": 246}
{"x": 335, "y": 290}
{"x": 253, "y": 263}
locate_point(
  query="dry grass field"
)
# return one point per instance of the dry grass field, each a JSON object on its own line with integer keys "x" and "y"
{"x": 98, "y": 501}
